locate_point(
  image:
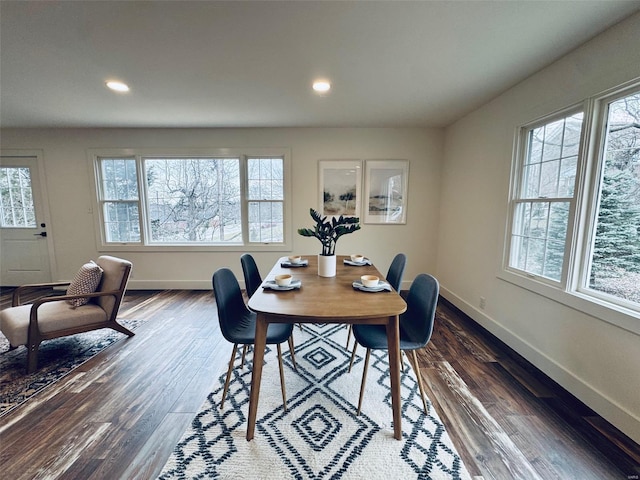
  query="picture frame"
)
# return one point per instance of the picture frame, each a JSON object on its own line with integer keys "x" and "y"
{"x": 386, "y": 185}
{"x": 340, "y": 187}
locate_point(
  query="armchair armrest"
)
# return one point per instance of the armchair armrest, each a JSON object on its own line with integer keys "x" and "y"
{"x": 15, "y": 300}
{"x": 33, "y": 315}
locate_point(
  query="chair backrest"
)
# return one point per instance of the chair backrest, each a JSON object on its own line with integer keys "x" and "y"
{"x": 396, "y": 271}
{"x": 417, "y": 321}
{"x": 252, "y": 278}
{"x": 115, "y": 275}
{"x": 229, "y": 301}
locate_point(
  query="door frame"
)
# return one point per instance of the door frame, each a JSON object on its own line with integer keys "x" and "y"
{"x": 44, "y": 197}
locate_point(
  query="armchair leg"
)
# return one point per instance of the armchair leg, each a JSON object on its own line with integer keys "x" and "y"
{"x": 419, "y": 376}
{"x": 32, "y": 357}
{"x": 364, "y": 379}
{"x": 228, "y": 379}
{"x": 284, "y": 391}
{"x": 122, "y": 329}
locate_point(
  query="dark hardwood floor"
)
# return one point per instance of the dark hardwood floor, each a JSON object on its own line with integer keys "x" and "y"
{"x": 119, "y": 415}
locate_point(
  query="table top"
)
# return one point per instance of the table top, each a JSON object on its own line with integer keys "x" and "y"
{"x": 326, "y": 299}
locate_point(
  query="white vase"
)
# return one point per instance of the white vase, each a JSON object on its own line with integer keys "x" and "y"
{"x": 327, "y": 265}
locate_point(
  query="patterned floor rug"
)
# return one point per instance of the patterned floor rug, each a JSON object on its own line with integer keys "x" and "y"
{"x": 319, "y": 437}
{"x": 56, "y": 358}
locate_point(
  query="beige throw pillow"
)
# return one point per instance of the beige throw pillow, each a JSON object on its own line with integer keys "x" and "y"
{"x": 86, "y": 281}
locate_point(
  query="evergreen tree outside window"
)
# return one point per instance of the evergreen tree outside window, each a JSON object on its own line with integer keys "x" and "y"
{"x": 545, "y": 196}
{"x": 615, "y": 255}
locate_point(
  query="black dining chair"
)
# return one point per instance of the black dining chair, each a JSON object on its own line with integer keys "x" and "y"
{"x": 238, "y": 325}
{"x": 394, "y": 277}
{"x": 396, "y": 271}
{"x": 252, "y": 278}
{"x": 416, "y": 327}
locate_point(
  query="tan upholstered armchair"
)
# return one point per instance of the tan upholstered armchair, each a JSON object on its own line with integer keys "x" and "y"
{"x": 55, "y": 316}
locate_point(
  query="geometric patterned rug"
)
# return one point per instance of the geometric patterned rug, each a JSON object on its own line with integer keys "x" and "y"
{"x": 56, "y": 358}
{"x": 319, "y": 436}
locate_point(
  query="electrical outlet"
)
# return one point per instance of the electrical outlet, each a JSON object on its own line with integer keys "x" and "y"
{"x": 483, "y": 302}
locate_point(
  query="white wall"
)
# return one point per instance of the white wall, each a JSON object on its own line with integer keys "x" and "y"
{"x": 69, "y": 175}
{"x": 595, "y": 360}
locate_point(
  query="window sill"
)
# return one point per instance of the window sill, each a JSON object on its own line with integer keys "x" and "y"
{"x": 607, "y": 312}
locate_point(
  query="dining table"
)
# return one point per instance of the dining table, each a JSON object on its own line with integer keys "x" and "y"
{"x": 326, "y": 300}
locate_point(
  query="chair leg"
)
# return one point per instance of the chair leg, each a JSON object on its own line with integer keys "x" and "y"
{"x": 364, "y": 379}
{"x": 353, "y": 355}
{"x": 228, "y": 379}
{"x": 293, "y": 353}
{"x": 349, "y": 335}
{"x": 284, "y": 391}
{"x": 32, "y": 357}
{"x": 419, "y": 376}
{"x": 244, "y": 353}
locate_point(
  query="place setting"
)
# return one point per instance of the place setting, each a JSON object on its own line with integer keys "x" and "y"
{"x": 357, "y": 260}
{"x": 282, "y": 282}
{"x": 371, "y": 283}
{"x": 295, "y": 261}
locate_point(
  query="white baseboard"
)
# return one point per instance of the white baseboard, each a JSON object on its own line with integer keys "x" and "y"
{"x": 625, "y": 421}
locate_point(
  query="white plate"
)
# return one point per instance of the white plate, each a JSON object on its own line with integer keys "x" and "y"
{"x": 270, "y": 284}
{"x": 382, "y": 286}
{"x": 357, "y": 264}
{"x": 286, "y": 264}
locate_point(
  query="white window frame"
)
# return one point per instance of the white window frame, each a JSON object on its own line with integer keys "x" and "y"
{"x": 94, "y": 156}
{"x": 571, "y": 290}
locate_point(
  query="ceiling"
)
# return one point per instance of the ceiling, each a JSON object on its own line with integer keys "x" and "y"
{"x": 251, "y": 64}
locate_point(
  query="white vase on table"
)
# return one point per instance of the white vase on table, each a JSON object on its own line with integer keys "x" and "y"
{"x": 327, "y": 265}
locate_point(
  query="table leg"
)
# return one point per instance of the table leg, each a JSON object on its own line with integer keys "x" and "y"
{"x": 256, "y": 375}
{"x": 393, "y": 339}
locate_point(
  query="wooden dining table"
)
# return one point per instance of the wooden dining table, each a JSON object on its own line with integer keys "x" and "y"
{"x": 326, "y": 300}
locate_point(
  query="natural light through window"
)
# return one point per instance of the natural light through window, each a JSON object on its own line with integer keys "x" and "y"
{"x": 191, "y": 200}
{"x": 575, "y": 209}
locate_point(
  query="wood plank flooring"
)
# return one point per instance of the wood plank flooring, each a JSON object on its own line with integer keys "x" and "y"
{"x": 119, "y": 415}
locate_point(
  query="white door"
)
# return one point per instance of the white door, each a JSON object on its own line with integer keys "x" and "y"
{"x": 24, "y": 244}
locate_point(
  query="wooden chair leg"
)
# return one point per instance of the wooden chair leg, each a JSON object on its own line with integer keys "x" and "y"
{"x": 284, "y": 391}
{"x": 32, "y": 357}
{"x": 228, "y": 379}
{"x": 293, "y": 353}
{"x": 353, "y": 355}
{"x": 244, "y": 353}
{"x": 364, "y": 379}
{"x": 349, "y": 335}
{"x": 419, "y": 376}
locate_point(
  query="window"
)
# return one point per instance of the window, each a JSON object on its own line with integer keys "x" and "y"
{"x": 614, "y": 246}
{"x": 575, "y": 207}
{"x": 16, "y": 198}
{"x": 545, "y": 196}
{"x": 149, "y": 200}
{"x": 265, "y": 197}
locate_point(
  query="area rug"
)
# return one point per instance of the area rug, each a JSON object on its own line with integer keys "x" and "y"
{"x": 319, "y": 436}
{"x": 56, "y": 358}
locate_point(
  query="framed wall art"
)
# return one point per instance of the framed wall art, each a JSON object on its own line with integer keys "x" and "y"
{"x": 385, "y": 191}
{"x": 340, "y": 187}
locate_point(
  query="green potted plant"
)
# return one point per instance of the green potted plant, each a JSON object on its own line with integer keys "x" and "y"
{"x": 328, "y": 231}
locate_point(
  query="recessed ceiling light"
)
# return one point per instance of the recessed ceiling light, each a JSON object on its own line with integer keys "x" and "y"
{"x": 118, "y": 86}
{"x": 321, "y": 86}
